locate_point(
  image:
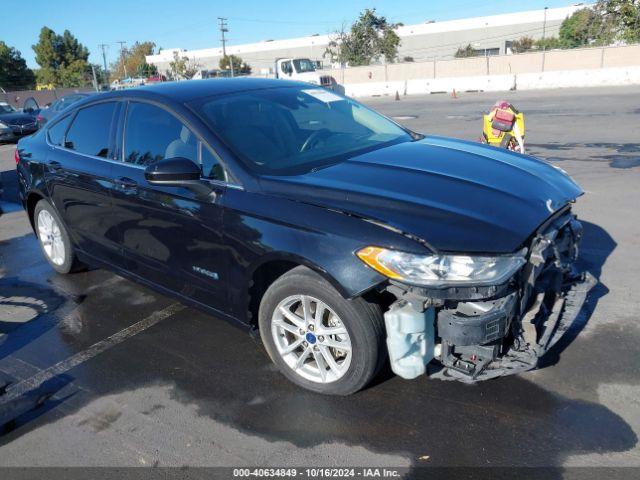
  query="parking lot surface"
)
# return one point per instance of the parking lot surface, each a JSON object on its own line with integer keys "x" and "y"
{"x": 178, "y": 387}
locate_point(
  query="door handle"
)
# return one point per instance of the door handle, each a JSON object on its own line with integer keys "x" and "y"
{"x": 55, "y": 166}
{"x": 126, "y": 183}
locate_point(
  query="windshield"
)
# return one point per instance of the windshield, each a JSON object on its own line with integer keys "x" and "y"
{"x": 293, "y": 130}
{"x": 6, "y": 108}
{"x": 304, "y": 65}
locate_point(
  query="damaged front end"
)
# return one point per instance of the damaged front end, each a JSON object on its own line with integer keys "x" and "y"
{"x": 480, "y": 332}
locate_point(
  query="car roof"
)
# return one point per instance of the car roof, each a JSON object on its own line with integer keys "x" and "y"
{"x": 189, "y": 90}
{"x": 78, "y": 94}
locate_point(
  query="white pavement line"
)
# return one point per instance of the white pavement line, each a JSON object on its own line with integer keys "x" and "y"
{"x": 63, "y": 366}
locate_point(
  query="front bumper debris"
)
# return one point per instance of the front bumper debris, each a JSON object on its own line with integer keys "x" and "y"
{"x": 542, "y": 327}
{"x": 480, "y": 335}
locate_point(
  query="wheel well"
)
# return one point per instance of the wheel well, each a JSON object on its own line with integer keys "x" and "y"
{"x": 32, "y": 201}
{"x": 269, "y": 272}
{"x": 262, "y": 277}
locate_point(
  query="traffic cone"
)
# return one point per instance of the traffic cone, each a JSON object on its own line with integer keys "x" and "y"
{"x": 397, "y": 96}
{"x": 453, "y": 94}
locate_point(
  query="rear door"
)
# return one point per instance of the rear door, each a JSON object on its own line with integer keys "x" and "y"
{"x": 78, "y": 177}
{"x": 170, "y": 235}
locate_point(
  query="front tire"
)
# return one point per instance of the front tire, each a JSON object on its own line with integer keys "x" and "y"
{"x": 318, "y": 339}
{"x": 54, "y": 239}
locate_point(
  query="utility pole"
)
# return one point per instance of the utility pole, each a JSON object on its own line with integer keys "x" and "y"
{"x": 95, "y": 79}
{"x": 223, "y": 30}
{"x": 544, "y": 31}
{"x": 124, "y": 67}
{"x": 104, "y": 61}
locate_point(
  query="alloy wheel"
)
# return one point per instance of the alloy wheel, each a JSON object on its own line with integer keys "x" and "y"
{"x": 311, "y": 338}
{"x": 51, "y": 237}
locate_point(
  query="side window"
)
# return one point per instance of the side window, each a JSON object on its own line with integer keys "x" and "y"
{"x": 152, "y": 134}
{"x": 211, "y": 167}
{"x": 90, "y": 131}
{"x": 56, "y": 132}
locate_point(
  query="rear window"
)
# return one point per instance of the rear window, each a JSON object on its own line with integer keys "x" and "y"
{"x": 90, "y": 132}
{"x": 56, "y": 132}
{"x": 64, "y": 102}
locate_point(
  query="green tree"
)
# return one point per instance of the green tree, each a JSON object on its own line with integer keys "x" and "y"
{"x": 465, "y": 52}
{"x": 523, "y": 44}
{"x": 14, "y": 74}
{"x": 607, "y": 22}
{"x": 580, "y": 29}
{"x": 239, "y": 66}
{"x": 619, "y": 21}
{"x": 369, "y": 39}
{"x": 63, "y": 60}
{"x": 549, "y": 43}
{"x": 134, "y": 60}
{"x": 146, "y": 70}
{"x": 182, "y": 67}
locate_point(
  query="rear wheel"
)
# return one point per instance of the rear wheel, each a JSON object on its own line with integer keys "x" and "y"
{"x": 317, "y": 338}
{"x": 54, "y": 239}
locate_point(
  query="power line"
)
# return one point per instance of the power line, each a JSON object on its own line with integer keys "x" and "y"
{"x": 426, "y": 50}
{"x": 413, "y": 51}
{"x": 454, "y": 44}
{"x": 283, "y": 22}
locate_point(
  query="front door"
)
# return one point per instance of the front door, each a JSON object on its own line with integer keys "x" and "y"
{"x": 170, "y": 235}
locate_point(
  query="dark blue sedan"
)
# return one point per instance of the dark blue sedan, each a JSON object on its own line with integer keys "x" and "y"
{"x": 15, "y": 124}
{"x": 343, "y": 237}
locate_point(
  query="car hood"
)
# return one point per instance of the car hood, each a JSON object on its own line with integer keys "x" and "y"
{"x": 456, "y": 196}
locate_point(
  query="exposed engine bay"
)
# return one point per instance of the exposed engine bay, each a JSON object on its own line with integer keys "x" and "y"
{"x": 478, "y": 333}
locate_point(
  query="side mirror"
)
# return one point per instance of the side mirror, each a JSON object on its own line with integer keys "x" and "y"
{"x": 172, "y": 171}
{"x": 179, "y": 172}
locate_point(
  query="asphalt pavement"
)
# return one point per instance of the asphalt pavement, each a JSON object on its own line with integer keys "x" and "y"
{"x": 128, "y": 377}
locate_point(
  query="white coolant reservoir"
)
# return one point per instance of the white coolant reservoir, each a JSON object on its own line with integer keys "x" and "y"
{"x": 410, "y": 339}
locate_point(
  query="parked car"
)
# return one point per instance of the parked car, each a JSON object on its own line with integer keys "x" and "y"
{"x": 14, "y": 123}
{"x": 60, "y": 104}
{"x": 339, "y": 234}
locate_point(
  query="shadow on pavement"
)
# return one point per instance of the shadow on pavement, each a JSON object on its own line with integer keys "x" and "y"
{"x": 596, "y": 248}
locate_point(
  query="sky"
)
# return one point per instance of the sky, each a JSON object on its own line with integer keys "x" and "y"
{"x": 193, "y": 23}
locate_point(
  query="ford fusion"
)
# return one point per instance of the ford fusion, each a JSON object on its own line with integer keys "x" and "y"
{"x": 345, "y": 239}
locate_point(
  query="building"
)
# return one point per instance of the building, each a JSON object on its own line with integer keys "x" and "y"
{"x": 489, "y": 35}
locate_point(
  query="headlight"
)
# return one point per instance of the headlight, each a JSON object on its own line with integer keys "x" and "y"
{"x": 442, "y": 270}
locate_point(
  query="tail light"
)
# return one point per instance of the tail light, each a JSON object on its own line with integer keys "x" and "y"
{"x": 16, "y": 156}
{"x": 39, "y": 118}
